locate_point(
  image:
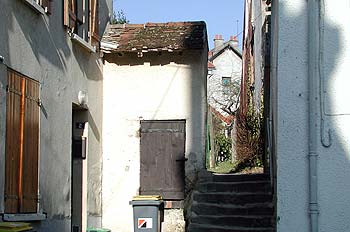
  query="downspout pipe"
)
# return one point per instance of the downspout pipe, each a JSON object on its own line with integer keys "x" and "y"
{"x": 313, "y": 77}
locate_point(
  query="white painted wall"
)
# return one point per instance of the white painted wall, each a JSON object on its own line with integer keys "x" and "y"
{"x": 38, "y": 46}
{"x": 227, "y": 64}
{"x": 258, "y": 19}
{"x": 292, "y": 118}
{"x": 145, "y": 91}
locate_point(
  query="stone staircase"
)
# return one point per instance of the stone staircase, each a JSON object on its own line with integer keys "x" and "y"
{"x": 231, "y": 203}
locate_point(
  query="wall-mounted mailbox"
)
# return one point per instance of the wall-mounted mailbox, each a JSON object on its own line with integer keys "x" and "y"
{"x": 79, "y": 147}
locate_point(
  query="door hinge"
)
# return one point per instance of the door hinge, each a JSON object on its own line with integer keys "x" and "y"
{"x": 12, "y": 90}
{"x": 11, "y": 197}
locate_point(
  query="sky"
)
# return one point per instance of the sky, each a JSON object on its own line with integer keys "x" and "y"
{"x": 220, "y": 16}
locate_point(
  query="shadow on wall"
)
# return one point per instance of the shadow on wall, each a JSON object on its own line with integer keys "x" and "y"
{"x": 45, "y": 34}
{"x": 47, "y": 37}
{"x": 154, "y": 58}
{"x": 333, "y": 163}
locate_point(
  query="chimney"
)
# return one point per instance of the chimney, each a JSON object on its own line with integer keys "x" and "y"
{"x": 234, "y": 41}
{"x": 218, "y": 41}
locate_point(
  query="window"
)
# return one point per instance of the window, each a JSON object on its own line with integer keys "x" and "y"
{"x": 226, "y": 81}
{"x": 22, "y": 144}
{"x": 42, "y": 6}
{"x": 81, "y": 17}
{"x": 226, "y": 85}
{"x": 45, "y": 4}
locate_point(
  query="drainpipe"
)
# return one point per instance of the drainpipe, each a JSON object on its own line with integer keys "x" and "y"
{"x": 313, "y": 72}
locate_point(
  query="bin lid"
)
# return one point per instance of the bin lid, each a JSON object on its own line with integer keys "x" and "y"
{"x": 14, "y": 226}
{"x": 147, "y": 198}
{"x": 97, "y": 230}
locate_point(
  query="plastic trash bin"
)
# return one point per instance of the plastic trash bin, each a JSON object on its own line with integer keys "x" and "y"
{"x": 97, "y": 230}
{"x": 148, "y": 213}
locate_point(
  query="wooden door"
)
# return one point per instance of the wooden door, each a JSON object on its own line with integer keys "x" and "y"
{"x": 162, "y": 159}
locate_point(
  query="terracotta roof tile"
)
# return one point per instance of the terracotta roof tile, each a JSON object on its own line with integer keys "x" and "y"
{"x": 226, "y": 119}
{"x": 211, "y": 65}
{"x": 154, "y": 36}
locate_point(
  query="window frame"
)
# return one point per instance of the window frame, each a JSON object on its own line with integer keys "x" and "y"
{"x": 82, "y": 21}
{"x": 226, "y": 81}
{"x": 40, "y": 6}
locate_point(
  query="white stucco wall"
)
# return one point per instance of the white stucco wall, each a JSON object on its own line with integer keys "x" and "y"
{"x": 292, "y": 119}
{"x": 227, "y": 64}
{"x": 145, "y": 91}
{"x": 258, "y": 19}
{"x": 38, "y": 46}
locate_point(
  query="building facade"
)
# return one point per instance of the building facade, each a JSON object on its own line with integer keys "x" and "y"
{"x": 308, "y": 116}
{"x": 224, "y": 76}
{"x": 154, "y": 117}
{"x": 50, "y": 113}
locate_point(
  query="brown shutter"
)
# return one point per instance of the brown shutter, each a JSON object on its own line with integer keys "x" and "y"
{"x": 69, "y": 14}
{"x": 22, "y": 140}
{"x": 94, "y": 22}
{"x": 30, "y": 148}
{"x": 12, "y": 148}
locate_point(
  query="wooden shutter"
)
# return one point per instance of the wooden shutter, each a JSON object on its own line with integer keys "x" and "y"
{"x": 70, "y": 13}
{"x": 30, "y": 148}
{"x": 22, "y": 144}
{"x": 13, "y": 104}
{"x": 94, "y": 22}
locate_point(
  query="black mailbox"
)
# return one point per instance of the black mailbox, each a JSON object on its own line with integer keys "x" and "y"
{"x": 79, "y": 147}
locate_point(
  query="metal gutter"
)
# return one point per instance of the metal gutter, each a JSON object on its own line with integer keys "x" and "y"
{"x": 313, "y": 77}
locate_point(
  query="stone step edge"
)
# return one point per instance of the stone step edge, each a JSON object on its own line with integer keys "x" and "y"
{"x": 238, "y": 228}
{"x": 200, "y": 182}
{"x": 234, "y": 206}
{"x": 194, "y": 215}
{"x": 232, "y": 193}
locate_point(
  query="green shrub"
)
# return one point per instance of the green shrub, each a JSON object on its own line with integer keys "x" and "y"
{"x": 224, "y": 146}
{"x": 249, "y": 145}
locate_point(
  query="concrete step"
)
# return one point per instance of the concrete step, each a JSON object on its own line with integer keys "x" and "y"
{"x": 241, "y": 221}
{"x": 208, "y": 176}
{"x": 231, "y": 198}
{"x": 193, "y": 227}
{"x": 220, "y": 209}
{"x": 242, "y": 186}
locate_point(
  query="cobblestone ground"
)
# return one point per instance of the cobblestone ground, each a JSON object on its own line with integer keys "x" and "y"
{"x": 173, "y": 221}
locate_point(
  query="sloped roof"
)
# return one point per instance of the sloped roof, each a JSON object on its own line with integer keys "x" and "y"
{"x": 215, "y": 52}
{"x": 154, "y": 37}
{"x": 226, "y": 119}
{"x": 211, "y": 65}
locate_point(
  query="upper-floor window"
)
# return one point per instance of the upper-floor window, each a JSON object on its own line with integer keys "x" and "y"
{"x": 41, "y": 6}
{"x": 81, "y": 17}
{"x": 46, "y": 4}
{"x": 226, "y": 81}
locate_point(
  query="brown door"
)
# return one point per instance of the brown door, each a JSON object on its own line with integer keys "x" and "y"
{"x": 162, "y": 159}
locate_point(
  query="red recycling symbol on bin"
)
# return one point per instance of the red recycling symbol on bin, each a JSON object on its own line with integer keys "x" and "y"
{"x": 144, "y": 223}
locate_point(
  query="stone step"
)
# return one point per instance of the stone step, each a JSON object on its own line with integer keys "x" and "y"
{"x": 220, "y": 209}
{"x": 232, "y": 198}
{"x": 242, "y": 186}
{"x": 232, "y": 221}
{"x": 193, "y": 227}
{"x": 207, "y": 176}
